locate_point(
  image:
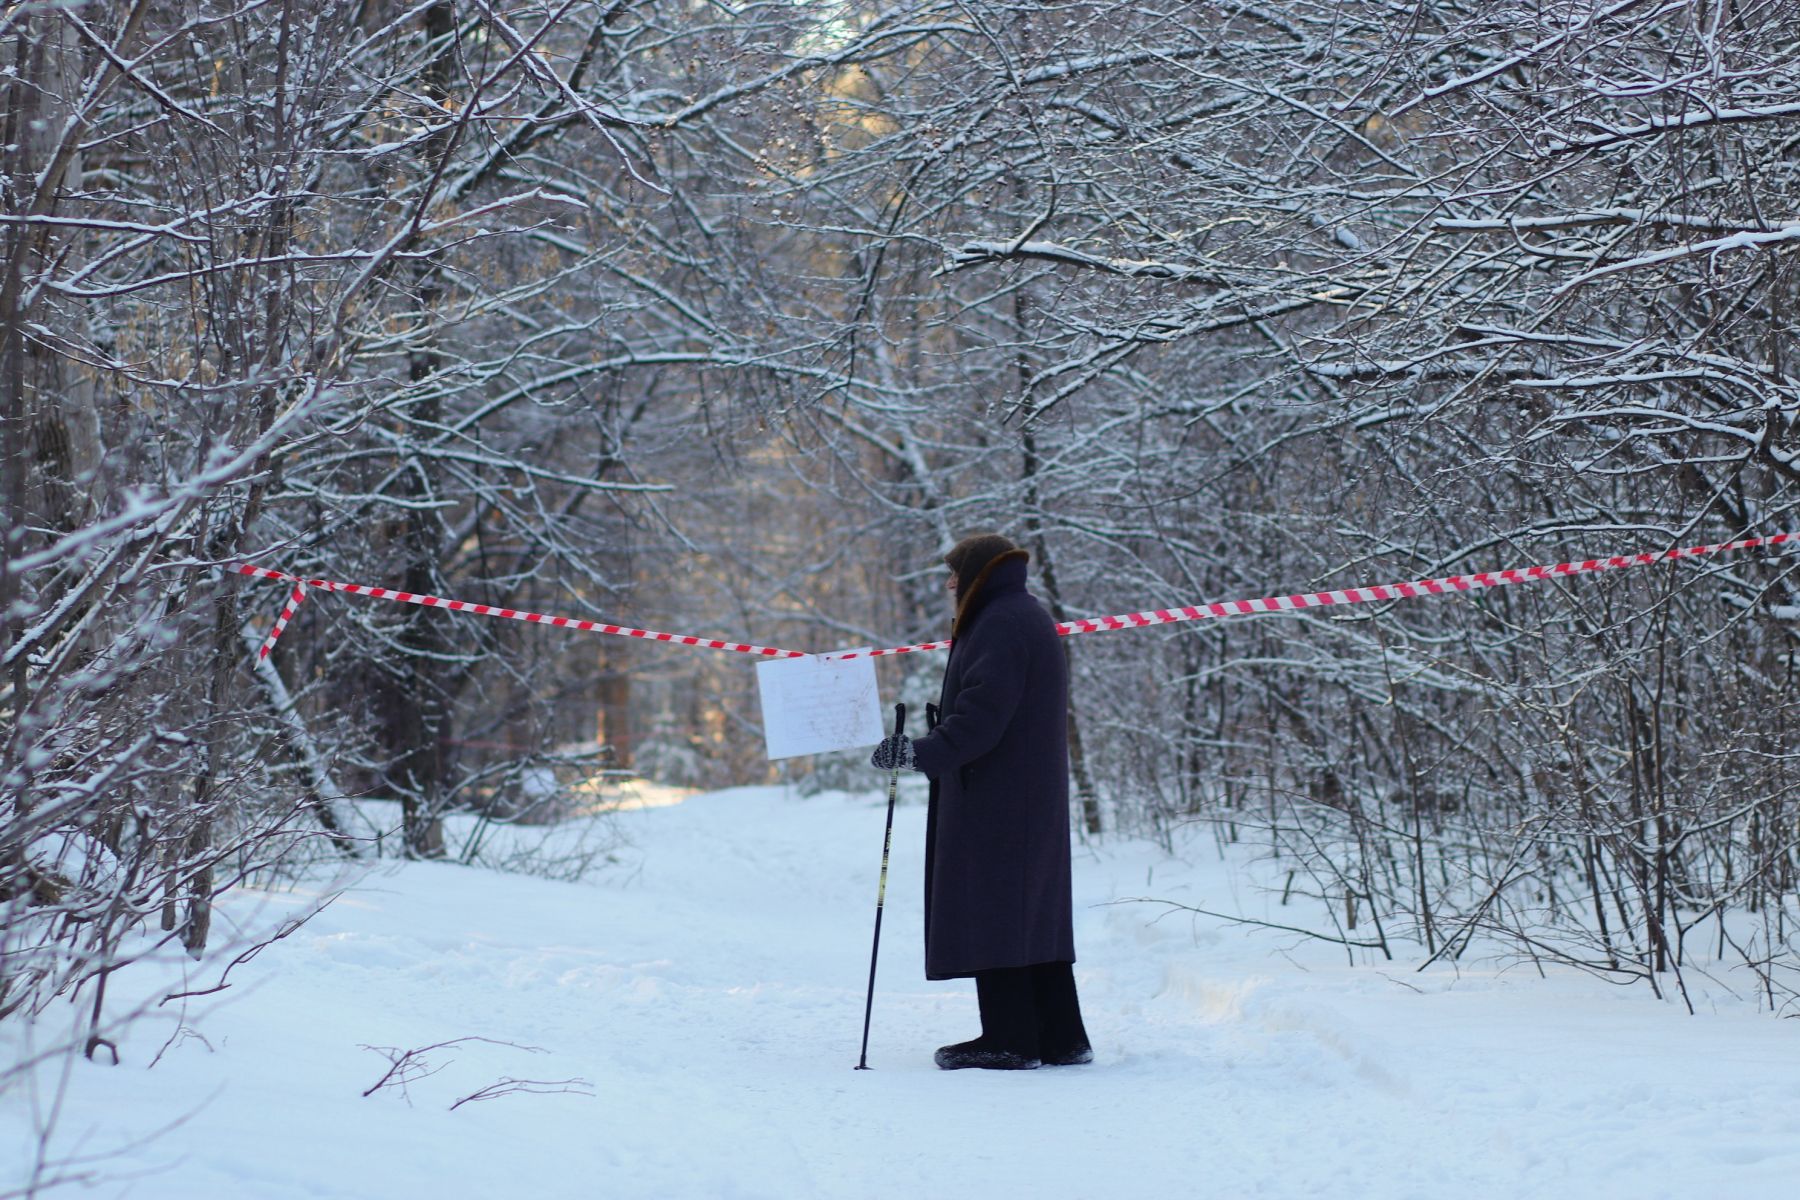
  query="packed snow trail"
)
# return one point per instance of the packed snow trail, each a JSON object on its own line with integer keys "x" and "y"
{"x": 708, "y": 988}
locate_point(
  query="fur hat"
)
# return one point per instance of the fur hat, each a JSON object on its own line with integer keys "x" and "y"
{"x": 971, "y": 560}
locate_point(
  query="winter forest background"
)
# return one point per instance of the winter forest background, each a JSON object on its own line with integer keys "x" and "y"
{"x": 728, "y": 318}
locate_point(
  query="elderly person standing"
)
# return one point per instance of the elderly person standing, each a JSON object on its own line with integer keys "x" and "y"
{"x": 997, "y": 885}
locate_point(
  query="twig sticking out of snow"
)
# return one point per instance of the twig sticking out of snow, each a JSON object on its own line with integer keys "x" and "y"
{"x": 406, "y": 1067}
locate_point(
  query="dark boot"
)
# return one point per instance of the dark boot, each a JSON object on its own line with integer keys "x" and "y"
{"x": 1009, "y": 1040}
{"x": 1062, "y": 1039}
{"x": 983, "y": 1054}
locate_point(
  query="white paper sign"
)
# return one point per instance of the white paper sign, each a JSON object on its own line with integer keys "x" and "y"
{"x": 815, "y": 705}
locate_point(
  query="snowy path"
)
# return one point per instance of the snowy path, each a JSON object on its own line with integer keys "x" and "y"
{"x": 711, "y": 990}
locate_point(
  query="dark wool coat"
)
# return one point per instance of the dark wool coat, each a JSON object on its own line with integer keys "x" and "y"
{"x": 997, "y": 891}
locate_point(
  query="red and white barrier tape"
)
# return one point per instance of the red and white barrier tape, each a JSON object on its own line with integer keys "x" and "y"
{"x": 489, "y": 610}
{"x": 281, "y": 622}
{"x": 1364, "y": 595}
{"x": 1136, "y": 620}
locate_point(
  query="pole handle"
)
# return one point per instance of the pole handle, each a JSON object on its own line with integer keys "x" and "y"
{"x": 899, "y": 719}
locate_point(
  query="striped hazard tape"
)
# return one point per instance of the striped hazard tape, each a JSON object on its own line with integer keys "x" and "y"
{"x": 281, "y": 622}
{"x": 489, "y": 610}
{"x": 1133, "y": 620}
{"x": 1366, "y": 595}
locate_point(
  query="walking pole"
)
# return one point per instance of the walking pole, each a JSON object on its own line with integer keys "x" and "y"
{"x": 887, "y": 842}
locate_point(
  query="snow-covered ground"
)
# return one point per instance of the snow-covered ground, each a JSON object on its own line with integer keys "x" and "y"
{"x": 708, "y": 992}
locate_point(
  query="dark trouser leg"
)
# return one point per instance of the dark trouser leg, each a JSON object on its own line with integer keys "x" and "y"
{"x": 1009, "y": 1025}
{"x": 1009, "y": 1018}
{"x": 1062, "y": 1039}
